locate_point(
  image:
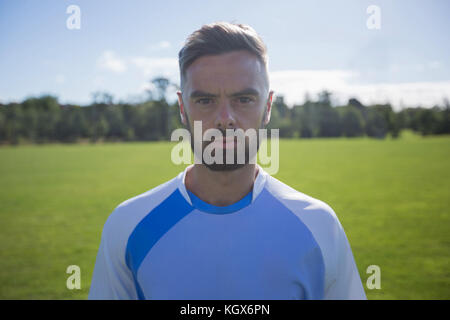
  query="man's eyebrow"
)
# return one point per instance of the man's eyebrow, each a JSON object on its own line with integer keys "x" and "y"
{"x": 246, "y": 91}
{"x": 202, "y": 94}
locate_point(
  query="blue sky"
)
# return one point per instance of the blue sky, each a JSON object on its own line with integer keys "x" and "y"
{"x": 312, "y": 45}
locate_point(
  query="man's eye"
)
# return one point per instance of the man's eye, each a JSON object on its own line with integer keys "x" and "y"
{"x": 245, "y": 100}
{"x": 203, "y": 101}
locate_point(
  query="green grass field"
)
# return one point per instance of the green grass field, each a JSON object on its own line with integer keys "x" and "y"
{"x": 392, "y": 197}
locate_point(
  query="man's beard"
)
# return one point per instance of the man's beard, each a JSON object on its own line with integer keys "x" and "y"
{"x": 224, "y": 166}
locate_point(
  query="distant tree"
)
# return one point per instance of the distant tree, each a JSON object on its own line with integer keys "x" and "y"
{"x": 428, "y": 121}
{"x": 41, "y": 114}
{"x": 31, "y": 115}
{"x": 355, "y": 103}
{"x": 2, "y": 125}
{"x": 306, "y": 122}
{"x": 280, "y": 118}
{"x": 160, "y": 108}
{"x": 161, "y": 113}
{"x": 79, "y": 123}
{"x": 13, "y": 115}
{"x": 390, "y": 122}
{"x": 324, "y": 97}
{"x": 409, "y": 118}
{"x": 281, "y": 106}
{"x": 395, "y": 125}
{"x": 352, "y": 122}
{"x": 102, "y": 98}
{"x": 161, "y": 85}
{"x": 444, "y": 123}
{"x": 64, "y": 129}
{"x": 174, "y": 117}
{"x": 329, "y": 121}
{"x": 116, "y": 126}
{"x": 359, "y": 106}
{"x": 376, "y": 125}
{"x": 100, "y": 129}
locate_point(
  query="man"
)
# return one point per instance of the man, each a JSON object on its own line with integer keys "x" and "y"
{"x": 224, "y": 230}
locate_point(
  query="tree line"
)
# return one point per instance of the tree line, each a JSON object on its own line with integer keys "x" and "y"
{"x": 43, "y": 119}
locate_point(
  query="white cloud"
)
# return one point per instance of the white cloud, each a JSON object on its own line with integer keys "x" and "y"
{"x": 294, "y": 84}
{"x": 408, "y": 94}
{"x": 397, "y": 68}
{"x": 151, "y": 67}
{"x": 294, "y": 81}
{"x": 110, "y": 61}
{"x": 163, "y": 45}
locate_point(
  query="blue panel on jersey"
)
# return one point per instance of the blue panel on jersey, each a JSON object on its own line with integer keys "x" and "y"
{"x": 206, "y": 207}
{"x": 155, "y": 224}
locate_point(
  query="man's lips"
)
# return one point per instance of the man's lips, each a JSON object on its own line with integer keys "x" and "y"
{"x": 225, "y": 142}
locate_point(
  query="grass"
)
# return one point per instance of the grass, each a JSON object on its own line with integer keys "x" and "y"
{"x": 391, "y": 196}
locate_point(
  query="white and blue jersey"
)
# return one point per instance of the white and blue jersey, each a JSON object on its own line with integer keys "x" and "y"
{"x": 275, "y": 243}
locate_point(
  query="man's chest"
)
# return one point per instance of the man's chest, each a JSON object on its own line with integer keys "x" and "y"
{"x": 232, "y": 261}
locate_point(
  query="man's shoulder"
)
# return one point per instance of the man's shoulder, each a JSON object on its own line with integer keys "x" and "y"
{"x": 305, "y": 206}
{"x": 131, "y": 211}
{"x": 151, "y": 196}
{"x": 318, "y": 217}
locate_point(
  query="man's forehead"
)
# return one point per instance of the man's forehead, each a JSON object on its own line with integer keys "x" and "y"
{"x": 241, "y": 58}
{"x": 235, "y": 70}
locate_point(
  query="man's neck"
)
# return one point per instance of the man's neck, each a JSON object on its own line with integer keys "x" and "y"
{"x": 220, "y": 188}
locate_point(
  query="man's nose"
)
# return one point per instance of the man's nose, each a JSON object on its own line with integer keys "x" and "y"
{"x": 225, "y": 118}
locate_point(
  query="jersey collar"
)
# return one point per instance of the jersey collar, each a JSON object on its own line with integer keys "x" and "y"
{"x": 258, "y": 185}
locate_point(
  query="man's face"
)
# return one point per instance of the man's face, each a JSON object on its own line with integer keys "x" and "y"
{"x": 226, "y": 91}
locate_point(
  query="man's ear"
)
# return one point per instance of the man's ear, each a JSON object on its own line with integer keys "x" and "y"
{"x": 269, "y": 108}
{"x": 181, "y": 105}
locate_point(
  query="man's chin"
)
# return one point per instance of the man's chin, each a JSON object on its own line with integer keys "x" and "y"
{"x": 230, "y": 166}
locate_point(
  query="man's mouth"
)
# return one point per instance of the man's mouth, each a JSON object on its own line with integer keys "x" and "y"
{"x": 225, "y": 142}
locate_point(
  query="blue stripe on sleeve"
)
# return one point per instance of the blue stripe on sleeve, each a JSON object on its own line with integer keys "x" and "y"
{"x": 155, "y": 224}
